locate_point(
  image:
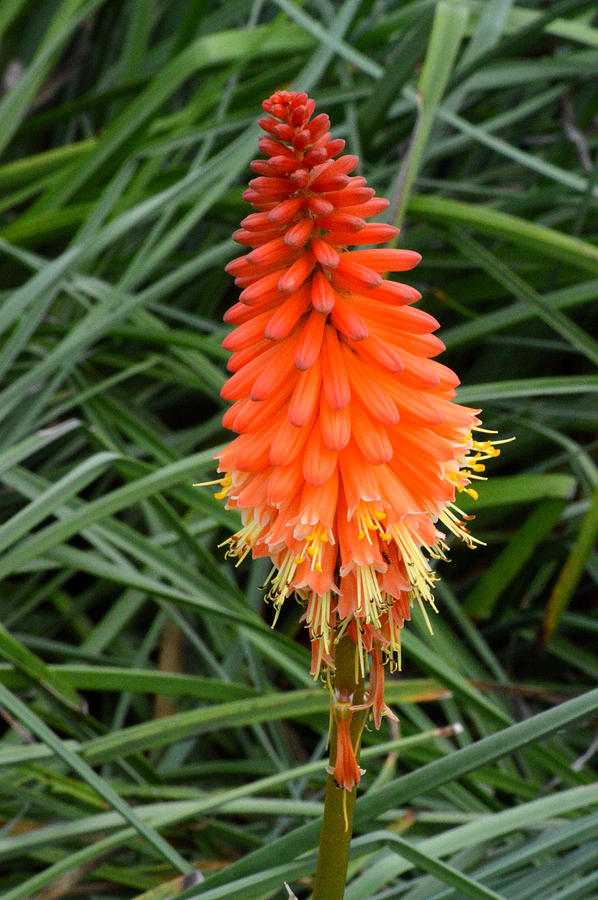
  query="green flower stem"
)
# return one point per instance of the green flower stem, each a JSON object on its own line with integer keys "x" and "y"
{"x": 339, "y": 803}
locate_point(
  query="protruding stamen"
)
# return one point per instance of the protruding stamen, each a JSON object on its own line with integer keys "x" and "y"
{"x": 454, "y": 519}
{"x": 318, "y": 619}
{"x": 241, "y": 543}
{"x": 226, "y": 482}
{"x": 281, "y": 583}
{"x": 369, "y": 596}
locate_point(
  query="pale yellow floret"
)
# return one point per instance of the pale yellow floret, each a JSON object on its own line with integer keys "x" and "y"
{"x": 392, "y": 650}
{"x": 420, "y": 575}
{"x": 317, "y": 617}
{"x": 280, "y": 581}
{"x": 369, "y": 596}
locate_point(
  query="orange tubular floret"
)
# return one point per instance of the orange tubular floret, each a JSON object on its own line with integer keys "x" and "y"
{"x": 345, "y": 770}
{"x": 351, "y": 451}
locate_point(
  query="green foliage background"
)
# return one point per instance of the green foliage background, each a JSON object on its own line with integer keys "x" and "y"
{"x": 126, "y": 130}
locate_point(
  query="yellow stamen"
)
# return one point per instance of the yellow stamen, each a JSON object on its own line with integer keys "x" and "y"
{"x": 452, "y": 518}
{"x": 369, "y": 519}
{"x": 280, "y": 584}
{"x": 242, "y": 542}
{"x": 369, "y": 597}
{"x": 421, "y": 577}
{"x": 317, "y": 617}
{"x": 392, "y": 650}
{"x": 316, "y": 539}
{"x": 226, "y": 482}
{"x": 461, "y": 479}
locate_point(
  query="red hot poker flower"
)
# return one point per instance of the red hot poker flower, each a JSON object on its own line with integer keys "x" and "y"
{"x": 350, "y": 449}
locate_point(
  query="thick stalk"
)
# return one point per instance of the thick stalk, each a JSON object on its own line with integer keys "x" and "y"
{"x": 337, "y": 825}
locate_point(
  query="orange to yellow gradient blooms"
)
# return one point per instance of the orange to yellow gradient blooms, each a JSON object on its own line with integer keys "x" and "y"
{"x": 350, "y": 449}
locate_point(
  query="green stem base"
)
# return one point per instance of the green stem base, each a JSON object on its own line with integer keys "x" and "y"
{"x": 339, "y": 803}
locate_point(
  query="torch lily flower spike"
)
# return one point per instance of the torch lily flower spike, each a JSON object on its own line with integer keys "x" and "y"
{"x": 350, "y": 449}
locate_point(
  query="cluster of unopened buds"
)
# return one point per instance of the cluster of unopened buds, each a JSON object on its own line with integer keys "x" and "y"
{"x": 350, "y": 447}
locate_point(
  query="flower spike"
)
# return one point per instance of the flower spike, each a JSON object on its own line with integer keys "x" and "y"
{"x": 350, "y": 449}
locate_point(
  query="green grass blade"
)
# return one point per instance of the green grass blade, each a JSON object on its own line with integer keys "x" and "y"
{"x": 448, "y": 29}
{"x": 547, "y": 242}
{"x": 529, "y": 387}
{"x": 333, "y": 43}
{"x": 482, "y": 600}
{"x": 584, "y": 544}
{"x": 56, "y": 495}
{"x": 467, "y": 887}
{"x": 557, "y": 320}
{"x": 34, "y": 668}
{"x": 45, "y": 734}
{"x": 425, "y": 779}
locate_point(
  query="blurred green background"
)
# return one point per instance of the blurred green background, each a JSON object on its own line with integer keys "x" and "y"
{"x": 153, "y": 724}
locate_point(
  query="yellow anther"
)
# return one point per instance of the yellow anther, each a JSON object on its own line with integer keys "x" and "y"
{"x": 315, "y": 540}
{"x": 367, "y": 520}
{"x": 281, "y": 583}
{"x": 226, "y": 482}
{"x": 453, "y": 518}
{"x": 241, "y": 543}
